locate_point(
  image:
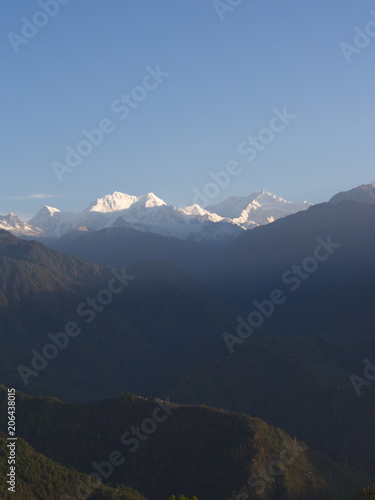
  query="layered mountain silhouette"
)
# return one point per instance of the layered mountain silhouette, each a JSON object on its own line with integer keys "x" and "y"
{"x": 197, "y": 450}
{"x": 365, "y": 193}
{"x": 120, "y": 245}
{"x": 270, "y": 324}
{"x": 333, "y": 297}
{"x": 322, "y": 262}
{"x": 127, "y": 339}
{"x": 301, "y": 385}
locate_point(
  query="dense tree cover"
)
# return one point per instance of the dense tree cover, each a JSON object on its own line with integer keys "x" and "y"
{"x": 300, "y": 385}
{"x": 38, "y": 477}
{"x": 366, "y": 494}
{"x": 199, "y": 450}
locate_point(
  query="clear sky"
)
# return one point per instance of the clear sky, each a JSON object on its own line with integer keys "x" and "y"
{"x": 225, "y": 79}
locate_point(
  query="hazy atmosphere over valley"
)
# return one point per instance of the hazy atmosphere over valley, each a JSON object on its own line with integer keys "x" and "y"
{"x": 187, "y": 241}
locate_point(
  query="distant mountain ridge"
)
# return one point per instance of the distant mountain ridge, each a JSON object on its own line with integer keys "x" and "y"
{"x": 16, "y": 226}
{"x": 150, "y": 213}
{"x": 364, "y": 193}
{"x": 257, "y": 209}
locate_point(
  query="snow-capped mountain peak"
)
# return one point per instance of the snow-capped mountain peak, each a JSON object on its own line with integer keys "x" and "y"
{"x": 256, "y": 209}
{"x": 11, "y": 216}
{"x": 45, "y": 213}
{"x": 151, "y": 200}
{"x": 16, "y": 226}
{"x": 49, "y": 210}
{"x": 197, "y": 210}
{"x": 112, "y": 202}
{"x": 117, "y": 201}
{"x": 265, "y": 195}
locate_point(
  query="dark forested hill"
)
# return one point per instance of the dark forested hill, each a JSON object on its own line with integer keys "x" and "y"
{"x": 161, "y": 449}
{"x": 71, "y": 328}
{"x": 301, "y": 385}
{"x": 38, "y": 477}
{"x": 321, "y": 259}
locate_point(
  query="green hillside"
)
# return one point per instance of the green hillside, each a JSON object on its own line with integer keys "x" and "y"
{"x": 192, "y": 450}
{"x": 300, "y": 385}
{"x": 38, "y": 477}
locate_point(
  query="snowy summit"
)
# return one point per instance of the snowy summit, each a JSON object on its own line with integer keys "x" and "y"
{"x": 150, "y": 213}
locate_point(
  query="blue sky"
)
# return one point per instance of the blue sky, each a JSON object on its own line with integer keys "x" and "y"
{"x": 225, "y": 78}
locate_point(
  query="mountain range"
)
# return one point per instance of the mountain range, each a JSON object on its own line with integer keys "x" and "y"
{"x": 150, "y": 213}
{"x": 235, "y": 335}
{"x": 248, "y": 268}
